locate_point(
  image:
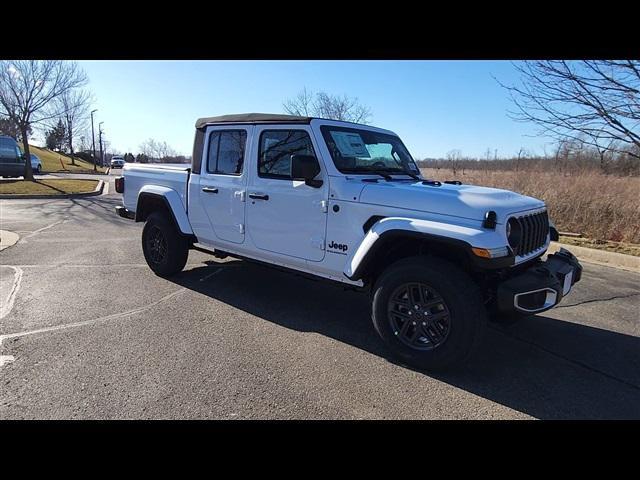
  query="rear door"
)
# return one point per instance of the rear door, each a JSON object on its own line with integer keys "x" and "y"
{"x": 286, "y": 216}
{"x": 223, "y": 180}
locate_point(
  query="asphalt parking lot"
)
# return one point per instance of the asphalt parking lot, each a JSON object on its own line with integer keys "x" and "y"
{"x": 88, "y": 331}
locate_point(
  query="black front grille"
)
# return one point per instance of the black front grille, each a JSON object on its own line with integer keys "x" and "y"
{"x": 535, "y": 228}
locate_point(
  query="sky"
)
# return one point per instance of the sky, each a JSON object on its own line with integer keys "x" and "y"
{"x": 434, "y": 106}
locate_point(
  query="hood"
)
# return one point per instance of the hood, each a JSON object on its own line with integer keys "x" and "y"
{"x": 465, "y": 201}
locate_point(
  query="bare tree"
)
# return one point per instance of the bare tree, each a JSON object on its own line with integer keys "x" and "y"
{"x": 329, "y": 106}
{"x": 28, "y": 89}
{"x": 147, "y": 147}
{"x": 165, "y": 152}
{"x": 522, "y": 153}
{"x": 8, "y": 127}
{"x": 158, "y": 151}
{"x": 106, "y": 157}
{"x": 301, "y": 104}
{"x": 84, "y": 143}
{"x": 74, "y": 107}
{"x": 594, "y": 101}
{"x": 454, "y": 157}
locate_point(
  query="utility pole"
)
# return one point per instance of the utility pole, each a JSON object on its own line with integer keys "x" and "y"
{"x": 93, "y": 141}
{"x": 100, "y": 140}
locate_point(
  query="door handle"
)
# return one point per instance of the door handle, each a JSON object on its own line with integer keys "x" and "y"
{"x": 210, "y": 190}
{"x": 259, "y": 196}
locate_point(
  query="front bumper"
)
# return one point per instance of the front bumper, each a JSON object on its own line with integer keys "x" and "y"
{"x": 541, "y": 286}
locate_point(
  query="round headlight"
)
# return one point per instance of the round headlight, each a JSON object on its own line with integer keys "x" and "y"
{"x": 514, "y": 233}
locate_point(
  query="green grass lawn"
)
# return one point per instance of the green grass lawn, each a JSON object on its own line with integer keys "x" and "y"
{"x": 51, "y": 162}
{"x": 46, "y": 187}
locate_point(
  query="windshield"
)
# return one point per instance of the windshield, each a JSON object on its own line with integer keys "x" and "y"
{"x": 355, "y": 150}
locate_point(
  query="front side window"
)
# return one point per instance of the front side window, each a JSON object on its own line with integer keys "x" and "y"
{"x": 355, "y": 150}
{"x": 276, "y": 149}
{"x": 226, "y": 152}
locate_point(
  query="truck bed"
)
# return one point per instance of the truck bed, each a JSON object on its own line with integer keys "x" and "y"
{"x": 169, "y": 175}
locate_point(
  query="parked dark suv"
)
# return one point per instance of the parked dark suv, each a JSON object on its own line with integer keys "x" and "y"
{"x": 11, "y": 158}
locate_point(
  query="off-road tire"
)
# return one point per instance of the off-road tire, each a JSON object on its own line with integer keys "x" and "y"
{"x": 462, "y": 297}
{"x": 176, "y": 246}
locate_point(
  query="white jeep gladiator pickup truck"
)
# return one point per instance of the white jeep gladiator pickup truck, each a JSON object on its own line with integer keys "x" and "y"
{"x": 347, "y": 203}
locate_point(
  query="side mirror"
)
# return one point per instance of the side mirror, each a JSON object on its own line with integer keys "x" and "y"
{"x": 306, "y": 167}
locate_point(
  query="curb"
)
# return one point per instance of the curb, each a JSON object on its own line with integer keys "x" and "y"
{"x": 97, "y": 191}
{"x": 67, "y": 172}
{"x": 8, "y": 239}
{"x": 600, "y": 257}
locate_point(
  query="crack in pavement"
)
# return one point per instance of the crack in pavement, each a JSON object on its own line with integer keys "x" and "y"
{"x": 35, "y": 232}
{"x": 113, "y": 316}
{"x": 7, "y": 305}
{"x": 593, "y": 300}
{"x": 567, "y": 359}
{"x": 5, "y": 359}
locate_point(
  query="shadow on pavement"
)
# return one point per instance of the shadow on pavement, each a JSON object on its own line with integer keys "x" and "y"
{"x": 79, "y": 210}
{"x": 544, "y": 367}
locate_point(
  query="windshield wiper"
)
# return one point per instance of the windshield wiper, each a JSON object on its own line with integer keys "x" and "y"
{"x": 397, "y": 171}
{"x": 371, "y": 171}
{"x": 406, "y": 171}
{"x": 411, "y": 174}
{"x": 382, "y": 173}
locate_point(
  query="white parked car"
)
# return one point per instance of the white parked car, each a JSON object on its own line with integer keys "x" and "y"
{"x": 347, "y": 203}
{"x": 117, "y": 162}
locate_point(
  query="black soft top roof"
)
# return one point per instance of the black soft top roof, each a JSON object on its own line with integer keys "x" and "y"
{"x": 252, "y": 118}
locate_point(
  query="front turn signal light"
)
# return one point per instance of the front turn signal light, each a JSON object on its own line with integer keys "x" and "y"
{"x": 490, "y": 252}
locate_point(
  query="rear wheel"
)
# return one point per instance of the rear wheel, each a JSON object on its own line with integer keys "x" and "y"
{"x": 165, "y": 248}
{"x": 429, "y": 312}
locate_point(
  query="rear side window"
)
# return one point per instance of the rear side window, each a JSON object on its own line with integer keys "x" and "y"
{"x": 8, "y": 149}
{"x": 276, "y": 148}
{"x": 226, "y": 152}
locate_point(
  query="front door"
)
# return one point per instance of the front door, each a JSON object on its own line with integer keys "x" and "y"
{"x": 286, "y": 216}
{"x": 223, "y": 181}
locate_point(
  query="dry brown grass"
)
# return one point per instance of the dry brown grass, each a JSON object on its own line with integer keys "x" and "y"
{"x": 618, "y": 247}
{"x": 46, "y": 187}
{"x": 599, "y": 206}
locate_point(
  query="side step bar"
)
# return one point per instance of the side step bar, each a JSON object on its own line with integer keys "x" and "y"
{"x": 215, "y": 253}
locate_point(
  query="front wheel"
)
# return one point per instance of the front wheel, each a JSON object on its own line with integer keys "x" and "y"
{"x": 429, "y": 312}
{"x": 165, "y": 248}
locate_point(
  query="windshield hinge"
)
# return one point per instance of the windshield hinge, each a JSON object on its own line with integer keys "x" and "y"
{"x": 323, "y": 205}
